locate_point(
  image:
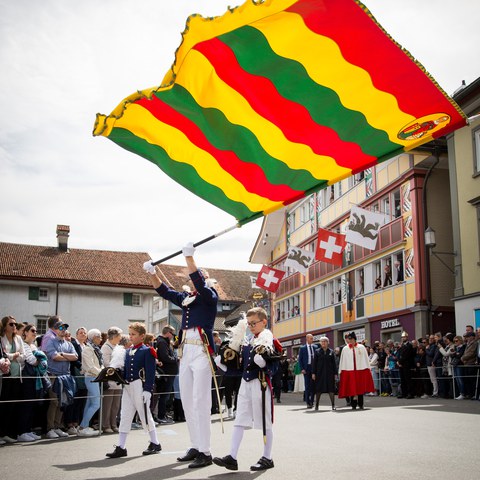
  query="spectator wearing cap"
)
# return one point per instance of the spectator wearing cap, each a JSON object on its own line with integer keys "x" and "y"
{"x": 50, "y": 334}
{"x": 469, "y": 359}
{"x": 59, "y": 355}
{"x": 92, "y": 364}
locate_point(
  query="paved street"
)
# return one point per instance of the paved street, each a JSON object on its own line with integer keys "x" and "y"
{"x": 391, "y": 438}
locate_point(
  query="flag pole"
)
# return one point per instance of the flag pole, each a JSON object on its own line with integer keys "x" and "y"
{"x": 196, "y": 244}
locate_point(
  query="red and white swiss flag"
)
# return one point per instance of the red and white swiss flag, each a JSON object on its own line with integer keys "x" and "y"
{"x": 330, "y": 246}
{"x": 269, "y": 278}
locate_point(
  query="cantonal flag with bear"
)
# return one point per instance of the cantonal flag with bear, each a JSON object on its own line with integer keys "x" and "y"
{"x": 280, "y": 98}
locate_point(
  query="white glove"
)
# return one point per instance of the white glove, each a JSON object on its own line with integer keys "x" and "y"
{"x": 219, "y": 364}
{"x": 146, "y": 397}
{"x": 149, "y": 268}
{"x": 259, "y": 360}
{"x": 188, "y": 250}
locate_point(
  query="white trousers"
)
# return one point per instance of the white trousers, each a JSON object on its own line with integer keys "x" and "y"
{"x": 195, "y": 378}
{"x": 132, "y": 401}
{"x": 249, "y": 406}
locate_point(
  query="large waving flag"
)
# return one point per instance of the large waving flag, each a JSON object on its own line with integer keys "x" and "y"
{"x": 277, "y": 99}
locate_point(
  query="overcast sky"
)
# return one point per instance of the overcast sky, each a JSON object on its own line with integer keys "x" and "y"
{"x": 62, "y": 61}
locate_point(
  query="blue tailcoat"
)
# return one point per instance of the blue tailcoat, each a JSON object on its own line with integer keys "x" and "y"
{"x": 135, "y": 361}
{"x": 201, "y": 312}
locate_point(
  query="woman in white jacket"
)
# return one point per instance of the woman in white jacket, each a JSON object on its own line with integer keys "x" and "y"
{"x": 92, "y": 365}
{"x": 113, "y": 396}
{"x": 12, "y": 345}
{"x": 373, "y": 359}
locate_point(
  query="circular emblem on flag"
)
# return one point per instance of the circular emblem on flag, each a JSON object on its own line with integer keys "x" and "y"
{"x": 424, "y": 126}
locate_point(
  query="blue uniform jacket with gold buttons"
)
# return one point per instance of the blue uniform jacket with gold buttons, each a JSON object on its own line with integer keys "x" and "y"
{"x": 199, "y": 313}
{"x": 140, "y": 363}
{"x": 251, "y": 370}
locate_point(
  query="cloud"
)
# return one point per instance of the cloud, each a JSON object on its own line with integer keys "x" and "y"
{"x": 62, "y": 61}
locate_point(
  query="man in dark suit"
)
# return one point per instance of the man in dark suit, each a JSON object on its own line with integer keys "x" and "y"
{"x": 169, "y": 364}
{"x": 406, "y": 361}
{"x": 305, "y": 358}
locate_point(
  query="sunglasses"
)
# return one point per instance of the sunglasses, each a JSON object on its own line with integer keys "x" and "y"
{"x": 61, "y": 327}
{"x": 32, "y": 330}
{"x": 13, "y": 325}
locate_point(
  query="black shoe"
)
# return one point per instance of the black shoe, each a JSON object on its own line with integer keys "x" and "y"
{"x": 310, "y": 405}
{"x": 228, "y": 462}
{"x": 354, "y": 404}
{"x": 263, "y": 464}
{"x": 117, "y": 453}
{"x": 152, "y": 448}
{"x": 189, "y": 456}
{"x": 202, "y": 460}
{"x": 409, "y": 397}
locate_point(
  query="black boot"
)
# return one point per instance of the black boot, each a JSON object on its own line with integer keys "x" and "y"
{"x": 117, "y": 453}
{"x": 228, "y": 462}
{"x": 202, "y": 460}
{"x": 189, "y": 456}
{"x": 152, "y": 449}
{"x": 263, "y": 464}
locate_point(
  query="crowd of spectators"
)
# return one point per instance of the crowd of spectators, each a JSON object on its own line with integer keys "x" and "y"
{"x": 48, "y": 387}
{"x": 436, "y": 365}
{"x": 48, "y": 382}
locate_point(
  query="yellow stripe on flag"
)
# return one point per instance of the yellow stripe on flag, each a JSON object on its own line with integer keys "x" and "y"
{"x": 326, "y": 66}
{"x": 217, "y": 94}
{"x": 144, "y": 125}
{"x": 199, "y": 29}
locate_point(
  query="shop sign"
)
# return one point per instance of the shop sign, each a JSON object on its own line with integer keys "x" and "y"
{"x": 389, "y": 323}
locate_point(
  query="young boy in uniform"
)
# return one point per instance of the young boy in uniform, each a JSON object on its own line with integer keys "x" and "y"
{"x": 260, "y": 356}
{"x": 139, "y": 372}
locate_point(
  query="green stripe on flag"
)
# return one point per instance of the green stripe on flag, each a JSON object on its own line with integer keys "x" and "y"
{"x": 220, "y": 133}
{"x": 293, "y": 83}
{"x": 182, "y": 173}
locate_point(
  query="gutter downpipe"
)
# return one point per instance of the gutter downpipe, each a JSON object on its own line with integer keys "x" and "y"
{"x": 425, "y": 248}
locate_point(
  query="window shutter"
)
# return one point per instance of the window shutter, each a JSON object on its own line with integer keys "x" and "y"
{"x": 127, "y": 299}
{"x": 33, "y": 293}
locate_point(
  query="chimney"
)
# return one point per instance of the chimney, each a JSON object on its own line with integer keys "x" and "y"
{"x": 62, "y": 236}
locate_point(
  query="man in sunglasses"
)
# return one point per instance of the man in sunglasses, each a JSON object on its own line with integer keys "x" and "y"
{"x": 50, "y": 334}
{"x": 59, "y": 355}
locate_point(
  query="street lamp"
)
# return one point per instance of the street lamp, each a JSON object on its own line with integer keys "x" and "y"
{"x": 430, "y": 243}
{"x": 430, "y": 237}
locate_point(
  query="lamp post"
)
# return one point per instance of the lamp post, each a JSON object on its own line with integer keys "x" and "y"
{"x": 430, "y": 243}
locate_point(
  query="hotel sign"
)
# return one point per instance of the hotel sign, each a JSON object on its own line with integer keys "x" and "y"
{"x": 389, "y": 323}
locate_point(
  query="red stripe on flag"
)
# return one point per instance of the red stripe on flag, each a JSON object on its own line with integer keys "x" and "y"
{"x": 250, "y": 175}
{"x": 293, "y": 119}
{"x": 365, "y": 45}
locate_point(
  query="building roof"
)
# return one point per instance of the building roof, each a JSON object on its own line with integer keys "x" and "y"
{"x": 109, "y": 268}
{"x": 77, "y": 266}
